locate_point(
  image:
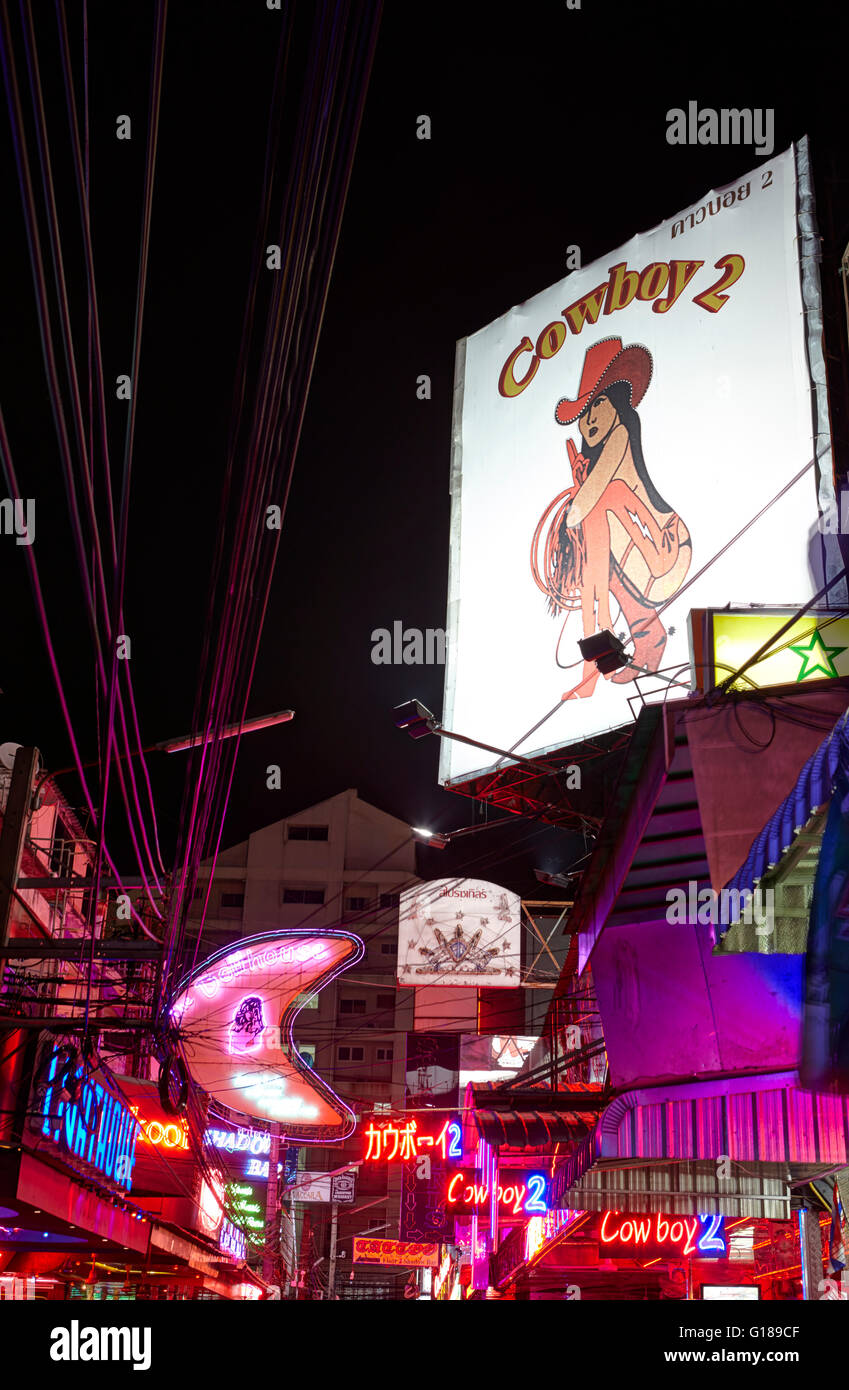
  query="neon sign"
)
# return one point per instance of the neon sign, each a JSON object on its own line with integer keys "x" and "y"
{"x": 232, "y": 1241}
{"x": 95, "y": 1126}
{"x": 234, "y": 1016}
{"x": 702, "y": 1237}
{"x": 465, "y": 1195}
{"x": 255, "y": 1141}
{"x": 258, "y": 1168}
{"x": 395, "y": 1252}
{"x": 404, "y": 1142}
{"x": 243, "y": 1204}
{"x": 173, "y": 1135}
{"x": 211, "y": 1204}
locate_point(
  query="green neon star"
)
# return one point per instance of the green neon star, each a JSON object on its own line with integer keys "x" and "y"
{"x": 816, "y": 656}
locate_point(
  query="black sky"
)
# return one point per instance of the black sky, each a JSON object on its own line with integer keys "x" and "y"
{"x": 548, "y": 129}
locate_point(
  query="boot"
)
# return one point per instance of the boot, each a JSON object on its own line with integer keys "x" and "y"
{"x": 581, "y": 691}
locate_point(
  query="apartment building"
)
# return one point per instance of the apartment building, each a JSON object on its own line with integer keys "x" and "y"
{"x": 342, "y": 863}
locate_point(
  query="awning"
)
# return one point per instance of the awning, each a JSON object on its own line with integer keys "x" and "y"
{"x": 813, "y": 788}
{"x": 533, "y": 1119}
{"x": 532, "y": 1129}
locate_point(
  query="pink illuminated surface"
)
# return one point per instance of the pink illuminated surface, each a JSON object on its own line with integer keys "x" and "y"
{"x": 234, "y": 1017}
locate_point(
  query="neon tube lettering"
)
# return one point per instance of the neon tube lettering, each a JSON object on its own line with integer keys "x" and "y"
{"x": 536, "y": 1189}
{"x": 711, "y": 1240}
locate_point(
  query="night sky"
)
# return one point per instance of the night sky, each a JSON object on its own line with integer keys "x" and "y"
{"x": 548, "y": 130}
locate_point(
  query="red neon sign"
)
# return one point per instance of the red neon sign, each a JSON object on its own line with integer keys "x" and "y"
{"x": 703, "y": 1237}
{"x": 400, "y": 1143}
{"x": 466, "y": 1193}
{"x": 168, "y": 1135}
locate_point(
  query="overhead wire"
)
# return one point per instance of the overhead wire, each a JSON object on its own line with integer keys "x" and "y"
{"x": 273, "y": 433}
{"x": 31, "y": 221}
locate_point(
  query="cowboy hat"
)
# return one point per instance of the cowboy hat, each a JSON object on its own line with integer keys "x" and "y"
{"x": 607, "y": 362}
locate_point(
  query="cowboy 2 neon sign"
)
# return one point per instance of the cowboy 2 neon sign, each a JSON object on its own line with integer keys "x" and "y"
{"x": 467, "y": 1194}
{"x": 702, "y": 1237}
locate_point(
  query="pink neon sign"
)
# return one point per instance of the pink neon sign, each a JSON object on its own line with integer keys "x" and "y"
{"x": 234, "y": 1017}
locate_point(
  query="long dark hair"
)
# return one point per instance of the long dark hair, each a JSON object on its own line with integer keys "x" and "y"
{"x": 619, "y": 395}
{"x": 248, "y": 1018}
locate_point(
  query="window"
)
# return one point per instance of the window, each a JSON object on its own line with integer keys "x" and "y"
{"x": 390, "y": 899}
{"x": 308, "y": 832}
{"x": 303, "y": 895}
{"x": 349, "y": 1054}
{"x": 384, "y": 1054}
{"x": 307, "y": 1001}
{"x": 357, "y": 904}
{"x": 232, "y": 900}
{"x": 386, "y": 1001}
{"x": 352, "y": 1006}
{"x": 388, "y": 948}
{"x": 382, "y": 1107}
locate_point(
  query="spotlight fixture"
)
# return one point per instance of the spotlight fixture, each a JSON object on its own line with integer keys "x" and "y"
{"x": 605, "y": 649}
{"x": 552, "y": 880}
{"x": 416, "y": 718}
{"x": 430, "y": 837}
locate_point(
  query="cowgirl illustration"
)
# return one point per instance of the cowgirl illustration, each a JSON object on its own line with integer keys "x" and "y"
{"x": 611, "y": 532}
{"x": 247, "y": 1025}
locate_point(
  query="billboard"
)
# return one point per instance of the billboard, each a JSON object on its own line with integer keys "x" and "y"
{"x": 628, "y": 444}
{"x": 395, "y": 1252}
{"x": 815, "y": 647}
{"x": 432, "y": 1069}
{"x": 234, "y": 1014}
{"x": 325, "y": 1187}
{"x": 459, "y": 931}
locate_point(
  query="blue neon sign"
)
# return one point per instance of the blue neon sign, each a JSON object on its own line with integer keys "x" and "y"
{"x": 95, "y": 1127}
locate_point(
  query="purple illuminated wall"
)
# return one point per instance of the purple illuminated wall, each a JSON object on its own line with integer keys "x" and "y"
{"x": 670, "y": 1009}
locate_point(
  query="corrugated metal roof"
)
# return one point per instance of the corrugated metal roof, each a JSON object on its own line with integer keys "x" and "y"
{"x": 680, "y": 1189}
{"x": 740, "y": 1141}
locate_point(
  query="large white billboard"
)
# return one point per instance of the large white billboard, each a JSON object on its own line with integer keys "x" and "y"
{"x": 612, "y": 436}
{"x": 459, "y": 931}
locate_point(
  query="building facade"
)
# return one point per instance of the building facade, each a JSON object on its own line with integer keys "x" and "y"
{"x": 339, "y": 863}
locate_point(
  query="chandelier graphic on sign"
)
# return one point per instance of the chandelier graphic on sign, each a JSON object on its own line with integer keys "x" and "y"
{"x": 459, "y": 932}
{"x": 233, "y": 1017}
{"x": 460, "y": 954}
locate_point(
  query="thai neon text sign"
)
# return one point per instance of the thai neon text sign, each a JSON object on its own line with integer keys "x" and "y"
{"x": 700, "y": 1237}
{"x": 391, "y": 1142}
{"x": 395, "y": 1252}
{"x": 467, "y": 1194}
{"x": 95, "y": 1127}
